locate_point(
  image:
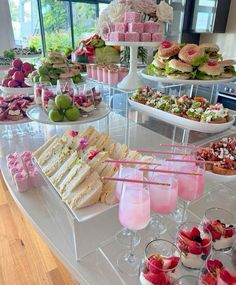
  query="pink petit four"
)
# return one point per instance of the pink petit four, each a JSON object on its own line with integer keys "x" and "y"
{"x": 132, "y": 37}
{"x": 132, "y": 17}
{"x": 113, "y": 77}
{"x": 145, "y": 37}
{"x": 117, "y": 37}
{"x": 121, "y": 27}
{"x": 151, "y": 27}
{"x": 21, "y": 180}
{"x": 135, "y": 27}
{"x": 156, "y": 37}
{"x": 35, "y": 178}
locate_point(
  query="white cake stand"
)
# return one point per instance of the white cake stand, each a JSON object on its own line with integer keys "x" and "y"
{"x": 132, "y": 80}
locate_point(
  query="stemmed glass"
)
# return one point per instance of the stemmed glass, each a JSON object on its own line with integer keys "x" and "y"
{"x": 221, "y": 224}
{"x": 163, "y": 200}
{"x": 218, "y": 269}
{"x": 134, "y": 214}
{"x": 84, "y": 100}
{"x": 66, "y": 86}
{"x": 161, "y": 262}
{"x": 124, "y": 236}
{"x": 189, "y": 280}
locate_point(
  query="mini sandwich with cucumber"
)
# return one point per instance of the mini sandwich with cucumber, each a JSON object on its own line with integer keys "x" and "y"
{"x": 178, "y": 69}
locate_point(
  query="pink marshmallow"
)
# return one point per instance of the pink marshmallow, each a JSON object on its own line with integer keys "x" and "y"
{"x": 121, "y": 27}
{"x": 21, "y": 180}
{"x": 15, "y": 170}
{"x": 151, "y": 27}
{"x": 145, "y": 37}
{"x": 12, "y": 156}
{"x": 132, "y": 37}
{"x": 133, "y": 17}
{"x": 35, "y": 178}
{"x": 135, "y": 27}
{"x": 157, "y": 37}
{"x": 117, "y": 37}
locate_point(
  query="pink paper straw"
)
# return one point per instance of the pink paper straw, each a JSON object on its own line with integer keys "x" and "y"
{"x": 161, "y": 152}
{"x": 178, "y": 145}
{"x": 131, "y": 162}
{"x": 192, "y": 160}
{"x": 171, "y": 171}
{"x": 134, "y": 180}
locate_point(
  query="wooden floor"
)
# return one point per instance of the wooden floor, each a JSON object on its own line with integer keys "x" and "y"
{"x": 25, "y": 259}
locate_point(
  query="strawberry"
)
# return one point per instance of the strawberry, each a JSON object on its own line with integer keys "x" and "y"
{"x": 154, "y": 265}
{"x": 215, "y": 235}
{"x": 226, "y": 277}
{"x": 156, "y": 279}
{"x": 214, "y": 265}
{"x": 229, "y": 232}
{"x": 195, "y": 248}
{"x": 186, "y": 240}
{"x": 206, "y": 246}
{"x": 208, "y": 279}
{"x": 170, "y": 262}
{"x": 73, "y": 133}
{"x": 195, "y": 233}
{"x": 186, "y": 234}
{"x": 218, "y": 226}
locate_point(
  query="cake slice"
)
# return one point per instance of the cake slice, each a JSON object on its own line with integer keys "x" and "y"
{"x": 76, "y": 175}
{"x": 87, "y": 193}
{"x": 64, "y": 169}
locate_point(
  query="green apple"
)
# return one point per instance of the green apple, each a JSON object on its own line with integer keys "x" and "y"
{"x": 56, "y": 115}
{"x": 72, "y": 114}
{"x": 63, "y": 101}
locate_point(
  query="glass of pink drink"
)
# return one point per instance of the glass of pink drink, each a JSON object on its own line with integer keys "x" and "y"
{"x": 125, "y": 235}
{"x": 134, "y": 214}
{"x": 163, "y": 200}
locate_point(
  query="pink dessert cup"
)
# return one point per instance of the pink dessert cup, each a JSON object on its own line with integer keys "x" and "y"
{"x": 105, "y": 75}
{"x": 113, "y": 77}
{"x": 89, "y": 71}
{"x": 94, "y": 71}
{"x": 100, "y": 74}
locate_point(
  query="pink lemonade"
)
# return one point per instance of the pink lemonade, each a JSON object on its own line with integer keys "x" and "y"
{"x": 134, "y": 208}
{"x": 163, "y": 198}
{"x": 191, "y": 187}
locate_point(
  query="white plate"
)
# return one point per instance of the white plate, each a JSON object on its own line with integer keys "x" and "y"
{"x": 134, "y": 44}
{"x": 185, "y": 81}
{"x": 36, "y": 113}
{"x": 217, "y": 178}
{"x": 182, "y": 122}
{"x": 17, "y": 90}
{"x": 8, "y": 122}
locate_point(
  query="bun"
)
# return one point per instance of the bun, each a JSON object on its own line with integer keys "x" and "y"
{"x": 158, "y": 63}
{"x": 227, "y": 62}
{"x": 180, "y": 65}
{"x": 226, "y": 75}
{"x": 209, "y": 47}
{"x": 190, "y": 52}
{"x": 182, "y": 76}
{"x": 168, "y": 49}
{"x": 211, "y": 68}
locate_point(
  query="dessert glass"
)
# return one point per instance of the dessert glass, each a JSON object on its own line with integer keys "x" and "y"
{"x": 194, "y": 244}
{"x": 38, "y": 87}
{"x": 84, "y": 100}
{"x": 189, "y": 280}
{"x": 48, "y": 98}
{"x": 221, "y": 225}
{"x": 161, "y": 262}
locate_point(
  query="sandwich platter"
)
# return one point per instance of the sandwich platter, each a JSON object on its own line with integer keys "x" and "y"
{"x": 37, "y": 114}
{"x": 165, "y": 79}
{"x": 182, "y": 122}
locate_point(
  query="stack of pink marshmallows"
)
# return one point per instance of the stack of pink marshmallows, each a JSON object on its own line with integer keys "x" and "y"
{"x": 24, "y": 173}
{"x": 134, "y": 30}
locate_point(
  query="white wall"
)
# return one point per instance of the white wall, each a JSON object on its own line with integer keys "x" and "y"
{"x": 227, "y": 40}
{"x": 6, "y": 31}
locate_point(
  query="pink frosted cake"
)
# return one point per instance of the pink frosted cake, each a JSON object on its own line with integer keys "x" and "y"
{"x": 133, "y": 17}
{"x": 135, "y": 27}
{"x": 151, "y": 27}
{"x": 117, "y": 37}
{"x": 157, "y": 37}
{"x": 132, "y": 37}
{"x": 145, "y": 37}
{"x": 121, "y": 27}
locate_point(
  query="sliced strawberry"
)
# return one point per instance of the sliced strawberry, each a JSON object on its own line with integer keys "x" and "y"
{"x": 214, "y": 265}
{"x": 156, "y": 279}
{"x": 215, "y": 235}
{"x": 206, "y": 246}
{"x": 229, "y": 232}
{"x": 218, "y": 226}
{"x": 170, "y": 262}
{"x": 186, "y": 240}
{"x": 208, "y": 279}
{"x": 195, "y": 248}
{"x": 154, "y": 265}
{"x": 195, "y": 233}
{"x": 226, "y": 277}
{"x": 186, "y": 234}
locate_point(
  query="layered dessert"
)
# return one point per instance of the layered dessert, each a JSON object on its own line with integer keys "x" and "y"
{"x": 159, "y": 270}
{"x": 195, "y": 246}
{"x": 215, "y": 273}
{"x": 223, "y": 235}
{"x": 84, "y": 101}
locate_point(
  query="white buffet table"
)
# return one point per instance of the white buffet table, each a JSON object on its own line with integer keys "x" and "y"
{"x": 50, "y": 219}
